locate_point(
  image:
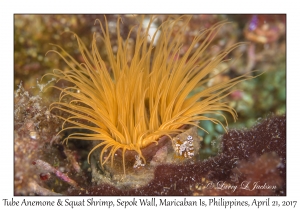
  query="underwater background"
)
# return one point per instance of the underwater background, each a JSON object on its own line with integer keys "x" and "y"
{"x": 264, "y": 50}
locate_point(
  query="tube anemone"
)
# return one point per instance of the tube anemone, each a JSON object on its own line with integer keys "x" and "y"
{"x": 129, "y": 104}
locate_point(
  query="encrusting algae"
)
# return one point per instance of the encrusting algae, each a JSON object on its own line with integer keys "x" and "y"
{"x": 129, "y": 104}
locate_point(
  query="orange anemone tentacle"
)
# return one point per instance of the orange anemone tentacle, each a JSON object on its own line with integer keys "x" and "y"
{"x": 128, "y": 102}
